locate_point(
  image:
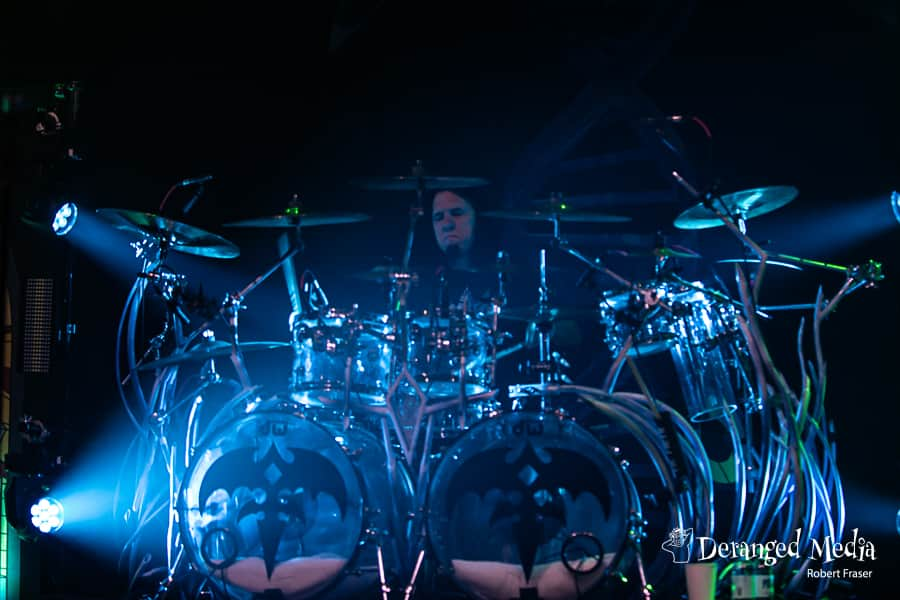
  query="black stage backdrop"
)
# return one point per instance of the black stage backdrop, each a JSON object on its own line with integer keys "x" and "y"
{"x": 275, "y": 101}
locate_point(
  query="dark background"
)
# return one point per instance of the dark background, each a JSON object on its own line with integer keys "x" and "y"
{"x": 536, "y": 98}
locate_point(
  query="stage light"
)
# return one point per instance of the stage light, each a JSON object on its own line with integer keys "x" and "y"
{"x": 895, "y": 204}
{"x": 47, "y": 515}
{"x": 64, "y": 219}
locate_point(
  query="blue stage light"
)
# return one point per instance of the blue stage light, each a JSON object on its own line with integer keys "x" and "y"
{"x": 47, "y": 515}
{"x": 895, "y": 205}
{"x": 64, "y": 219}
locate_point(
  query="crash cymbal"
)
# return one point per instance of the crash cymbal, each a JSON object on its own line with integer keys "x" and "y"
{"x": 755, "y": 261}
{"x": 535, "y": 314}
{"x": 551, "y": 215}
{"x": 411, "y": 183}
{"x": 179, "y": 236}
{"x": 207, "y": 351}
{"x": 292, "y": 219}
{"x": 745, "y": 204}
{"x": 665, "y": 252}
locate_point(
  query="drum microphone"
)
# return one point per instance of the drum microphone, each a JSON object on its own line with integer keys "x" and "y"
{"x": 190, "y": 203}
{"x": 666, "y": 119}
{"x": 195, "y": 180}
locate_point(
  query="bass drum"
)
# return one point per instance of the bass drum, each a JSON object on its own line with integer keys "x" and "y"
{"x": 531, "y": 505}
{"x": 276, "y": 503}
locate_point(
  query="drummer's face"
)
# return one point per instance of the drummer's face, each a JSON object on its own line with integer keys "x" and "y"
{"x": 453, "y": 219}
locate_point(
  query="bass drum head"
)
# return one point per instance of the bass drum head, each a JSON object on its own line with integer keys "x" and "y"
{"x": 271, "y": 503}
{"x": 529, "y": 500}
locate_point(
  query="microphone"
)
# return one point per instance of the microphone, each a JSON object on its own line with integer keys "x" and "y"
{"x": 665, "y": 119}
{"x": 315, "y": 295}
{"x": 195, "y": 180}
{"x": 190, "y": 203}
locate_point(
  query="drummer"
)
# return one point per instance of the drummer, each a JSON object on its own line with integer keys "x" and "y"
{"x": 464, "y": 260}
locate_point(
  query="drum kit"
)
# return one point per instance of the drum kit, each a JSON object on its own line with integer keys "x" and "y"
{"x": 389, "y": 463}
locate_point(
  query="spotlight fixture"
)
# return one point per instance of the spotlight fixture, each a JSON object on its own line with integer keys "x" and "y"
{"x": 64, "y": 219}
{"x": 47, "y": 515}
{"x": 895, "y": 204}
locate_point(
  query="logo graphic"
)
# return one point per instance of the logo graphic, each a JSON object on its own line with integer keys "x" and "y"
{"x": 533, "y": 482}
{"x": 679, "y": 544}
{"x": 278, "y": 481}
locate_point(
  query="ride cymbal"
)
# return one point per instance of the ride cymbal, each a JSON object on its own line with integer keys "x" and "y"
{"x": 403, "y": 183}
{"x": 180, "y": 237}
{"x": 293, "y": 219}
{"x": 565, "y": 216}
{"x": 743, "y": 205}
{"x": 207, "y": 351}
{"x": 755, "y": 261}
{"x": 664, "y": 252}
{"x": 535, "y": 314}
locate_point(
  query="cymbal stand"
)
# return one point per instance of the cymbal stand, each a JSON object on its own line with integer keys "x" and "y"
{"x": 735, "y": 223}
{"x": 416, "y": 210}
{"x": 865, "y": 275}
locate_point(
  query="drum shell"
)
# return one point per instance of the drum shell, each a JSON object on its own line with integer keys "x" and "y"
{"x": 439, "y": 347}
{"x": 324, "y": 346}
{"x": 700, "y": 334}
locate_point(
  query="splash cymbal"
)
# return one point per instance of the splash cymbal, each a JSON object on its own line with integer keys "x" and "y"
{"x": 745, "y": 204}
{"x": 180, "y": 237}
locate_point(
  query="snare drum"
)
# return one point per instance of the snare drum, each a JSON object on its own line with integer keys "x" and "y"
{"x": 440, "y": 346}
{"x": 275, "y": 502}
{"x": 334, "y": 347}
{"x": 530, "y": 501}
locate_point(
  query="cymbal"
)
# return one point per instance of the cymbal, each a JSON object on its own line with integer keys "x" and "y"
{"x": 207, "y": 351}
{"x": 551, "y": 215}
{"x": 755, "y": 261}
{"x": 535, "y": 314}
{"x": 180, "y": 236}
{"x": 745, "y": 204}
{"x": 412, "y": 183}
{"x": 382, "y": 273}
{"x": 664, "y": 252}
{"x": 293, "y": 219}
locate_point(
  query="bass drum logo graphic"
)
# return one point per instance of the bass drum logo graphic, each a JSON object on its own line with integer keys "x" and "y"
{"x": 533, "y": 501}
{"x": 275, "y": 502}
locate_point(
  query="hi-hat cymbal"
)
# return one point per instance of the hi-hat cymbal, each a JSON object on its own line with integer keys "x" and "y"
{"x": 382, "y": 273}
{"x": 179, "y": 236}
{"x": 402, "y": 183}
{"x": 552, "y": 215}
{"x": 535, "y": 314}
{"x": 745, "y": 204}
{"x": 207, "y": 351}
{"x": 293, "y": 219}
